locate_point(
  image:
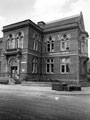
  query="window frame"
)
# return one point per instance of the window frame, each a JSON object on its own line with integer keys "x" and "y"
{"x": 50, "y": 43}
{"x": 50, "y": 63}
{"x": 20, "y": 38}
{"x": 65, "y": 63}
{"x": 63, "y": 49}
{"x": 66, "y": 41}
{"x": 34, "y": 65}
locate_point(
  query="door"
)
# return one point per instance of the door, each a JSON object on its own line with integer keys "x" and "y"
{"x": 14, "y": 72}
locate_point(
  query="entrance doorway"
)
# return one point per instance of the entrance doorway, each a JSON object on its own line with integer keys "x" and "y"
{"x": 13, "y": 71}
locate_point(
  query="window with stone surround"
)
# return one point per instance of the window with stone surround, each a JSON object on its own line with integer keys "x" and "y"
{"x": 64, "y": 65}
{"x": 34, "y": 65}
{"x": 20, "y": 37}
{"x": 50, "y": 44}
{"x": 0, "y": 66}
{"x": 65, "y": 43}
{"x": 11, "y": 41}
{"x": 35, "y": 41}
{"x": 84, "y": 45}
{"x": 50, "y": 66}
{"x": 14, "y": 42}
{"x": 0, "y": 52}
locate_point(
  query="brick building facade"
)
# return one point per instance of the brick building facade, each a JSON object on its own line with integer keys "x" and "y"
{"x": 46, "y": 51}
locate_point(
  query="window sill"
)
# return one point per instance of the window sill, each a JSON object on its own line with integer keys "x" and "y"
{"x": 50, "y": 73}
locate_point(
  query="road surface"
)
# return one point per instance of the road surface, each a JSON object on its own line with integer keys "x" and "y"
{"x": 28, "y": 103}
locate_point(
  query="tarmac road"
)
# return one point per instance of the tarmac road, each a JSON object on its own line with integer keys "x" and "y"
{"x": 27, "y": 103}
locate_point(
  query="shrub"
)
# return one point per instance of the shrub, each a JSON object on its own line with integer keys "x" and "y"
{"x": 4, "y": 81}
{"x": 26, "y": 78}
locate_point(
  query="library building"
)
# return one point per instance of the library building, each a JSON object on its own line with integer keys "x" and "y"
{"x": 56, "y": 50}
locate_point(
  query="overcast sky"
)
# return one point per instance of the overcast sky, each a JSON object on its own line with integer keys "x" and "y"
{"x": 12, "y": 11}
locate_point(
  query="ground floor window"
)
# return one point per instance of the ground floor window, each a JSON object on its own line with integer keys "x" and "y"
{"x": 50, "y": 66}
{"x": 65, "y": 65}
{"x": 34, "y": 65}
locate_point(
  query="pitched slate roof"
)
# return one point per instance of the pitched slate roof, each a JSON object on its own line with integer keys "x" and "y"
{"x": 64, "y": 21}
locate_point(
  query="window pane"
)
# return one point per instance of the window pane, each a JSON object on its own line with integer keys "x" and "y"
{"x": 67, "y": 44}
{"x": 67, "y": 68}
{"x": 52, "y": 46}
{"x": 35, "y": 67}
{"x": 62, "y": 45}
{"x": 52, "y": 68}
{"x": 48, "y": 60}
{"x": 18, "y": 43}
{"x": 36, "y": 46}
{"x": 48, "y": 47}
{"x": 51, "y": 60}
{"x": 7, "y": 44}
{"x": 47, "y": 68}
{"x": 10, "y": 44}
{"x": 82, "y": 47}
{"x": 13, "y": 43}
{"x": 62, "y": 68}
{"x": 21, "y": 42}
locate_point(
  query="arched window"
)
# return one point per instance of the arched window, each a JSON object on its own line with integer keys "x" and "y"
{"x": 50, "y": 44}
{"x": 11, "y": 41}
{"x": 35, "y": 41}
{"x": 20, "y": 37}
{"x": 65, "y": 42}
{"x": 34, "y": 65}
{"x": 50, "y": 66}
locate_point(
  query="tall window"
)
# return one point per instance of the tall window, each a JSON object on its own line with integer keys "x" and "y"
{"x": 65, "y": 42}
{"x": 35, "y": 42}
{"x": 20, "y": 37}
{"x": 0, "y": 66}
{"x": 50, "y": 66}
{"x": 50, "y": 44}
{"x": 15, "y": 42}
{"x": 11, "y": 42}
{"x": 0, "y": 52}
{"x": 84, "y": 46}
{"x": 65, "y": 65}
{"x": 34, "y": 65}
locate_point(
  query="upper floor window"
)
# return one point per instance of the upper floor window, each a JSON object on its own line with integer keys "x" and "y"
{"x": 0, "y": 66}
{"x": 11, "y": 41}
{"x": 20, "y": 37}
{"x": 34, "y": 65}
{"x": 50, "y": 66}
{"x": 15, "y": 41}
{"x": 65, "y": 65}
{"x": 50, "y": 44}
{"x": 35, "y": 42}
{"x": 0, "y": 52}
{"x": 65, "y": 43}
{"x": 84, "y": 45}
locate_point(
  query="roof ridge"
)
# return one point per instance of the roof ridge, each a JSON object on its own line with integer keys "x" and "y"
{"x": 61, "y": 19}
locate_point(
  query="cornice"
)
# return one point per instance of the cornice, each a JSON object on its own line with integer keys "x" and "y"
{"x": 61, "y": 29}
{"x": 23, "y": 24}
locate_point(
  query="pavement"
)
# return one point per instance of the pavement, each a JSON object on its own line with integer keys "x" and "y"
{"x": 42, "y": 90}
{"x": 19, "y": 102}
